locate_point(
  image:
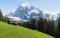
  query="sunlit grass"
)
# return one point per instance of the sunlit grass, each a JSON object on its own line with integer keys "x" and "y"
{"x": 11, "y": 31}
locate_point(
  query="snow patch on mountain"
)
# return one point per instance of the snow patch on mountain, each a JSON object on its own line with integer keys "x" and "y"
{"x": 33, "y": 11}
{"x": 49, "y": 14}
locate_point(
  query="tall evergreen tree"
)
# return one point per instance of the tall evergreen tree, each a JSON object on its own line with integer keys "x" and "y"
{"x": 50, "y": 27}
{"x": 1, "y": 16}
{"x": 58, "y": 33}
{"x": 40, "y": 27}
{"x": 33, "y": 23}
{"x": 42, "y": 24}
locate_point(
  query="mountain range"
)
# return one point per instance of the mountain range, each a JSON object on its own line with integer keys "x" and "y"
{"x": 27, "y": 12}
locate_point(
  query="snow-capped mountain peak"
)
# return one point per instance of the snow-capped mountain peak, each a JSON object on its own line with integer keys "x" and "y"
{"x": 27, "y": 12}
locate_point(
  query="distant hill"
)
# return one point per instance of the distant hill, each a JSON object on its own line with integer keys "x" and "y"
{"x": 11, "y": 31}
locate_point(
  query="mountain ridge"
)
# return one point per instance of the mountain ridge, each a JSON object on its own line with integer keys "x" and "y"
{"x": 27, "y": 12}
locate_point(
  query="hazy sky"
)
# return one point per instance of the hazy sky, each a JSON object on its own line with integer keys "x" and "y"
{"x": 10, "y": 5}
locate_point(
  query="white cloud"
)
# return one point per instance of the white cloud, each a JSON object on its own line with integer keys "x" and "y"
{"x": 25, "y": 4}
{"x": 13, "y": 11}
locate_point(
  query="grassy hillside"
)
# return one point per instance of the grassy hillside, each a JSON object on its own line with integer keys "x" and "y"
{"x": 10, "y": 31}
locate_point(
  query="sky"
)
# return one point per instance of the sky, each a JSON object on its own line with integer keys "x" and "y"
{"x": 8, "y": 6}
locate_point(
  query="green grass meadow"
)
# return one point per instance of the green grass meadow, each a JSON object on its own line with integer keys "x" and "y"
{"x": 11, "y": 31}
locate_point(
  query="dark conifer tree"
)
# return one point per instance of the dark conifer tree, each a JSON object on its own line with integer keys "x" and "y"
{"x": 40, "y": 27}
{"x": 50, "y": 27}
{"x": 33, "y": 23}
{"x": 58, "y": 31}
{"x": 1, "y": 16}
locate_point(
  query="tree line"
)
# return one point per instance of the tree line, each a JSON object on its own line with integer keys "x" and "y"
{"x": 43, "y": 25}
{"x": 1, "y": 15}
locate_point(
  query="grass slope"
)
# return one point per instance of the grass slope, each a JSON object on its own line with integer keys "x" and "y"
{"x": 10, "y": 31}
